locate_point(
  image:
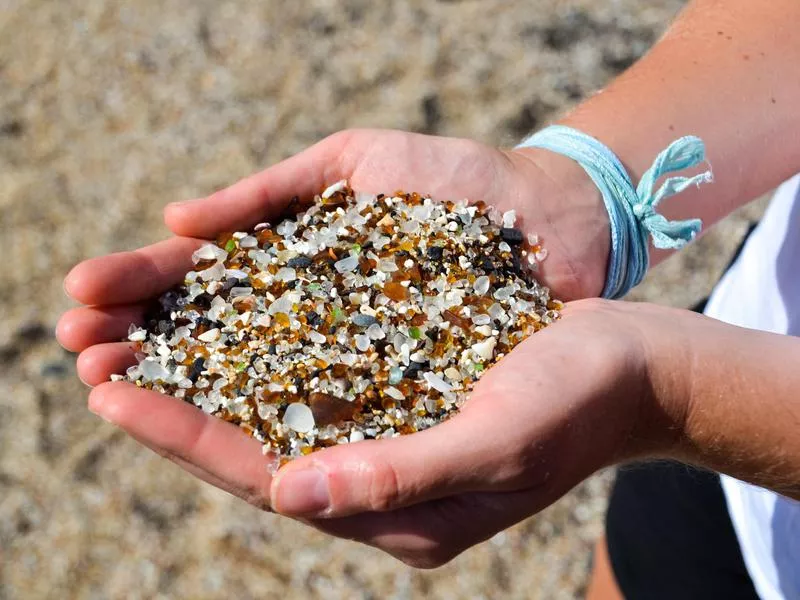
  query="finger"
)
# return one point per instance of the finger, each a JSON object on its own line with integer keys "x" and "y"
{"x": 97, "y": 363}
{"x": 227, "y": 456}
{"x": 82, "y": 327}
{"x": 127, "y": 277}
{"x": 265, "y": 194}
{"x": 204, "y": 475}
{"x": 431, "y": 534}
{"x": 462, "y": 454}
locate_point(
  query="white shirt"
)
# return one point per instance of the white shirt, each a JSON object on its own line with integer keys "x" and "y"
{"x": 762, "y": 291}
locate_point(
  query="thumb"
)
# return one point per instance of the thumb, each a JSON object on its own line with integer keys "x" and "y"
{"x": 265, "y": 194}
{"x": 462, "y": 454}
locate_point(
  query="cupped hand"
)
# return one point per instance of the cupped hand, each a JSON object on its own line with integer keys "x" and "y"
{"x": 552, "y": 198}
{"x": 573, "y": 398}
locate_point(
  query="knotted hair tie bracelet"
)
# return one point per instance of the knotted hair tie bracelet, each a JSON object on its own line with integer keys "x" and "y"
{"x": 631, "y": 210}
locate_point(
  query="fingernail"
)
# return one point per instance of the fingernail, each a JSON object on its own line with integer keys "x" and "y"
{"x": 303, "y": 492}
{"x": 65, "y": 285}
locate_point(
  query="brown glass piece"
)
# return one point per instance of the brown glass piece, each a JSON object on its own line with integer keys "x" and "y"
{"x": 456, "y": 320}
{"x": 395, "y": 291}
{"x": 330, "y": 410}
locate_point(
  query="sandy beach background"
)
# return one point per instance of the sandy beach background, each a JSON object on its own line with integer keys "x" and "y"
{"x": 111, "y": 109}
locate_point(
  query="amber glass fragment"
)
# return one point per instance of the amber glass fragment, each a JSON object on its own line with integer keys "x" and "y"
{"x": 395, "y": 291}
{"x": 456, "y": 320}
{"x": 329, "y": 410}
{"x": 203, "y": 264}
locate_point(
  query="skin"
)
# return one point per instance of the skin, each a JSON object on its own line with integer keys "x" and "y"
{"x": 602, "y": 584}
{"x": 654, "y": 382}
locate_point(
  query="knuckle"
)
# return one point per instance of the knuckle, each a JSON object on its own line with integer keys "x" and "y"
{"x": 422, "y": 563}
{"x": 338, "y": 137}
{"x": 384, "y": 487}
{"x": 258, "y": 494}
{"x": 431, "y": 558}
{"x": 591, "y": 305}
{"x": 343, "y": 137}
{"x": 164, "y": 453}
{"x": 342, "y": 152}
{"x": 258, "y": 499}
{"x": 219, "y": 197}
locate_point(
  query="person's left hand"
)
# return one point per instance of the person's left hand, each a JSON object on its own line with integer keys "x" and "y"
{"x": 575, "y": 397}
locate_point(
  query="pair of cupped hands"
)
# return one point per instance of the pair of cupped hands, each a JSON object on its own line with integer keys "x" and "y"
{"x": 595, "y": 388}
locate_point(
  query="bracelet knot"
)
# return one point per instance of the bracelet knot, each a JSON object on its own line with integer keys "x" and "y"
{"x": 632, "y": 211}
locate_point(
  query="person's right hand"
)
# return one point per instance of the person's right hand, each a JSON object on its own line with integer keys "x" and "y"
{"x": 552, "y": 197}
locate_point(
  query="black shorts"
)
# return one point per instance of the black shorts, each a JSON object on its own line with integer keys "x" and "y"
{"x": 669, "y": 535}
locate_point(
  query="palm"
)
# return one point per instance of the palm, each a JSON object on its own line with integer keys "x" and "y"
{"x": 115, "y": 288}
{"x": 444, "y": 168}
{"x": 452, "y": 169}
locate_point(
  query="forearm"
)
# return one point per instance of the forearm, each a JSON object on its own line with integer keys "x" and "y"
{"x": 725, "y": 71}
{"x": 737, "y": 392}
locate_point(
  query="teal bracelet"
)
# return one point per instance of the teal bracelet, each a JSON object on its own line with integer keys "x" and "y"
{"x": 631, "y": 211}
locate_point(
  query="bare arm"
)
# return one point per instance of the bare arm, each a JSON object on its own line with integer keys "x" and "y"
{"x": 739, "y": 393}
{"x": 725, "y": 71}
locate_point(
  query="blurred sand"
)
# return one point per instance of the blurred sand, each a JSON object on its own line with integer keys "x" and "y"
{"x": 108, "y": 110}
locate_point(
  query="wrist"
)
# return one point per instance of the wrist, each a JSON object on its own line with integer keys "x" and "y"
{"x": 665, "y": 341}
{"x": 574, "y": 216}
